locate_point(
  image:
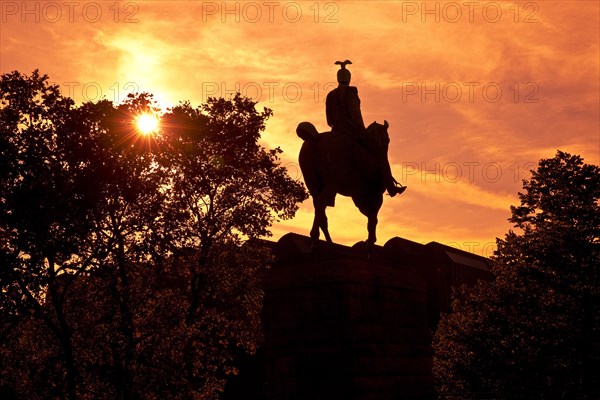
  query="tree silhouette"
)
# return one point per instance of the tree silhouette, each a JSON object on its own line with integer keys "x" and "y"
{"x": 41, "y": 210}
{"x": 128, "y": 267}
{"x": 225, "y": 185}
{"x": 534, "y": 331}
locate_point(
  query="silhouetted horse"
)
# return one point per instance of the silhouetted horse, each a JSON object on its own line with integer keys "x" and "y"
{"x": 334, "y": 163}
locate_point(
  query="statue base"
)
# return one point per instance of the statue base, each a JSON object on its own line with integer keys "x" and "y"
{"x": 341, "y": 326}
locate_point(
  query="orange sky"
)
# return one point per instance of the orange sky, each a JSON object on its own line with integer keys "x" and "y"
{"x": 475, "y": 92}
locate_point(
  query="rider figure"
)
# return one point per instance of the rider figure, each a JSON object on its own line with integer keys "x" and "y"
{"x": 343, "y": 115}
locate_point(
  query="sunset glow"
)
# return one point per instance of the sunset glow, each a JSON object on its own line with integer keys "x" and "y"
{"x": 475, "y": 93}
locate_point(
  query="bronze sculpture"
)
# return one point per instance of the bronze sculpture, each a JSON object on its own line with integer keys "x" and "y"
{"x": 343, "y": 113}
{"x": 350, "y": 160}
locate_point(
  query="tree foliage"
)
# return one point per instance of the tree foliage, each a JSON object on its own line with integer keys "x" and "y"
{"x": 128, "y": 265}
{"x": 535, "y": 331}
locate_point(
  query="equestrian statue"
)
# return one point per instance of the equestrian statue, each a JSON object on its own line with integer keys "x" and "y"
{"x": 350, "y": 160}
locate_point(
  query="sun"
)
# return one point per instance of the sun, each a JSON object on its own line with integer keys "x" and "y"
{"x": 147, "y": 123}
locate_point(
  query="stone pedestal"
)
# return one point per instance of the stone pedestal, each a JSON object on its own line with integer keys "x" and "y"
{"x": 341, "y": 326}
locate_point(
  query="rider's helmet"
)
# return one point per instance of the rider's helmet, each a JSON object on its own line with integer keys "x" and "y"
{"x": 343, "y": 75}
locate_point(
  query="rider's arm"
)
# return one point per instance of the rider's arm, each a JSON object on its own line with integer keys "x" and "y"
{"x": 354, "y": 104}
{"x": 329, "y": 109}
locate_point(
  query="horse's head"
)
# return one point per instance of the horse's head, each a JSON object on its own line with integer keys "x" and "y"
{"x": 379, "y": 135}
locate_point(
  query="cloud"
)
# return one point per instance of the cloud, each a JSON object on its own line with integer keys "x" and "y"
{"x": 542, "y": 51}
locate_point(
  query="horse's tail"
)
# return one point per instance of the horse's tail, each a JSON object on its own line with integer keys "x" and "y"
{"x": 307, "y": 131}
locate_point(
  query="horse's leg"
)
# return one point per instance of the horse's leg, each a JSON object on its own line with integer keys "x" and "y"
{"x": 372, "y": 223}
{"x": 372, "y": 229}
{"x": 325, "y": 227}
{"x": 320, "y": 222}
{"x": 320, "y": 203}
{"x": 314, "y": 232}
{"x": 326, "y": 198}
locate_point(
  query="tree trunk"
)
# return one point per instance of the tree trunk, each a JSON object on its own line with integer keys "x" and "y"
{"x": 64, "y": 333}
{"x": 129, "y": 391}
{"x": 198, "y": 282}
